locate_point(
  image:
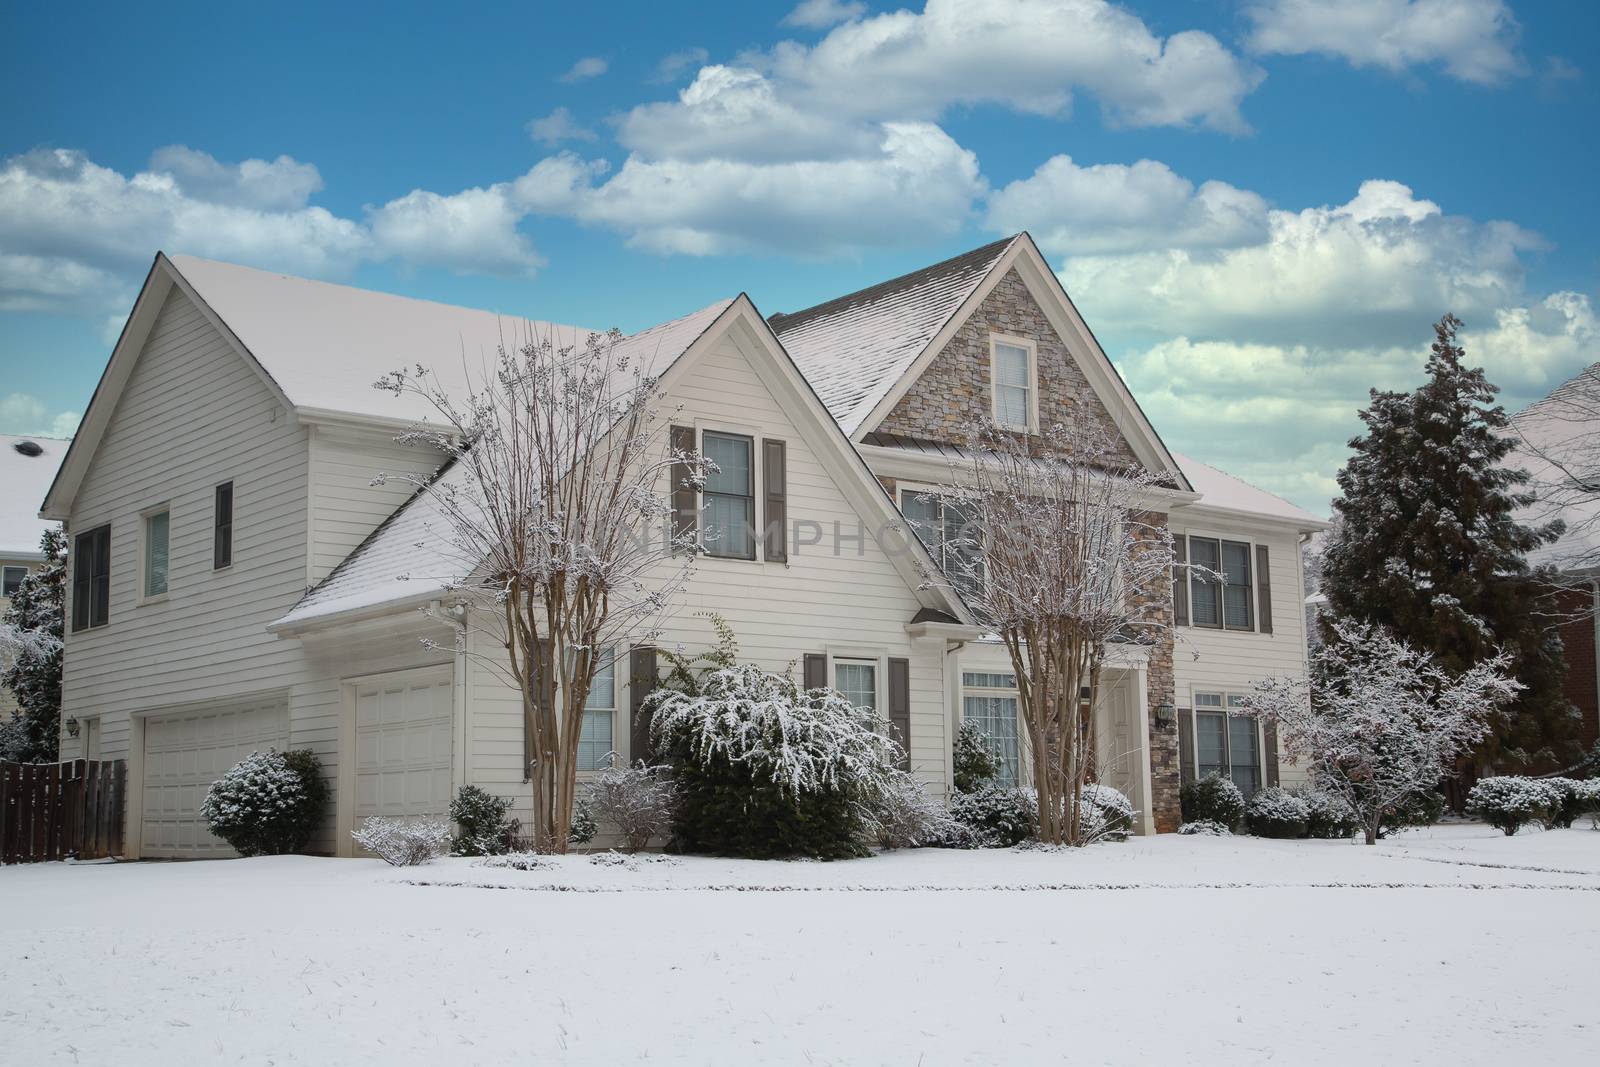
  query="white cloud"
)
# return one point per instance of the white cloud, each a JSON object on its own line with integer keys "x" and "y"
{"x": 283, "y": 184}
{"x": 585, "y": 68}
{"x": 1475, "y": 40}
{"x": 674, "y": 64}
{"x": 473, "y": 231}
{"x": 23, "y": 413}
{"x": 558, "y": 126}
{"x": 1116, "y": 208}
{"x": 820, "y": 14}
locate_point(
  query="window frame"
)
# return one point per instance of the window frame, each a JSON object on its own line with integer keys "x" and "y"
{"x": 80, "y": 555}
{"x": 588, "y": 709}
{"x": 5, "y": 578}
{"x": 1222, "y": 587}
{"x": 1032, "y": 414}
{"x": 874, "y": 663}
{"x": 218, "y": 562}
{"x": 995, "y": 692}
{"x": 910, "y": 488}
{"x": 752, "y": 442}
{"x": 1230, "y": 719}
{"x": 145, "y": 516}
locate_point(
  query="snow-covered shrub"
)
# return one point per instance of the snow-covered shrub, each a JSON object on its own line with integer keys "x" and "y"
{"x": 1567, "y": 802}
{"x": 974, "y": 760}
{"x": 766, "y": 769}
{"x": 267, "y": 804}
{"x": 1509, "y": 802}
{"x": 905, "y": 816}
{"x": 1205, "y": 828}
{"x": 517, "y": 861}
{"x": 1107, "y": 813}
{"x": 1275, "y": 812}
{"x": 487, "y": 827}
{"x": 1413, "y": 812}
{"x": 1212, "y": 798}
{"x": 639, "y": 802}
{"x": 1327, "y": 816}
{"x": 403, "y": 842}
{"x": 993, "y": 817}
{"x": 1588, "y": 797}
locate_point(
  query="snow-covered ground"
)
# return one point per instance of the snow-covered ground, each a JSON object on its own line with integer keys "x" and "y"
{"x": 1456, "y": 946}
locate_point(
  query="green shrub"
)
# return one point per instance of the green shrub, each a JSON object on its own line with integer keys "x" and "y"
{"x": 1510, "y": 802}
{"x": 1327, "y": 816}
{"x": 974, "y": 760}
{"x": 1415, "y": 812}
{"x": 1105, "y": 813}
{"x": 993, "y": 816}
{"x": 1275, "y": 812}
{"x": 487, "y": 828}
{"x": 1212, "y": 799}
{"x": 1568, "y": 800}
{"x": 269, "y": 803}
{"x": 583, "y": 827}
{"x": 1204, "y": 828}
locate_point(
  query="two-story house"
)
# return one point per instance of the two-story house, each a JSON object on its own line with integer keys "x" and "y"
{"x": 241, "y": 579}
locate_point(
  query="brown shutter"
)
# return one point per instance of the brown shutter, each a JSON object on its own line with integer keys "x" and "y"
{"x": 1270, "y": 729}
{"x": 641, "y": 680}
{"x": 1185, "y": 745}
{"x": 544, "y": 684}
{"x": 775, "y": 479}
{"x": 1180, "y": 581}
{"x": 900, "y": 705}
{"x": 685, "y": 498}
{"x": 816, "y": 671}
{"x": 1263, "y": 589}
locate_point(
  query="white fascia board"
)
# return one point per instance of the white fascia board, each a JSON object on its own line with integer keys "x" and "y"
{"x": 1200, "y": 510}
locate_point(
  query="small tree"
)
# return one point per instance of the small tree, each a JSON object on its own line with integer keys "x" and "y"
{"x": 1377, "y": 722}
{"x": 559, "y": 530}
{"x": 1060, "y": 558}
{"x": 31, "y": 634}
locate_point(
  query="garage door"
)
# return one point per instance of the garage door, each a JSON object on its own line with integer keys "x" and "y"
{"x": 403, "y": 746}
{"x": 183, "y": 755}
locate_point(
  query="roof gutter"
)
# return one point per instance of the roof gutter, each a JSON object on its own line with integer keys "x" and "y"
{"x": 287, "y": 627}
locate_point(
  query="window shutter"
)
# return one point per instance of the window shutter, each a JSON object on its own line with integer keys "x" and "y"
{"x": 82, "y": 566}
{"x": 900, "y": 705}
{"x": 1185, "y": 745}
{"x": 100, "y": 610}
{"x": 1263, "y": 590}
{"x": 1180, "y": 581}
{"x": 641, "y": 680}
{"x": 775, "y": 478}
{"x": 816, "y": 671}
{"x": 685, "y": 498}
{"x": 1270, "y": 730}
{"x": 222, "y": 533}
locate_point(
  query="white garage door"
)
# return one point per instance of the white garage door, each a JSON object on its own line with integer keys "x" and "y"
{"x": 403, "y": 746}
{"x": 184, "y": 754}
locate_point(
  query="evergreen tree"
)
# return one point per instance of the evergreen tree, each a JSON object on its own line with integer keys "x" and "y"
{"x": 34, "y": 676}
{"x": 1430, "y": 547}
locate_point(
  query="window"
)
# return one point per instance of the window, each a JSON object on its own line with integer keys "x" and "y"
{"x": 12, "y": 578}
{"x": 222, "y": 527}
{"x": 599, "y": 717}
{"x": 1226, "y": 603}
{"x": 1226, "y": 742}
{"x": 857, "y": 681}
{"x": 990, "y": 700}
{"x": 944, "y": 528}
{"x": 157, "y": 525}
{"x": 91, "y": 578}
{"x": 1012, "y": 366}
{"x": 730, "y": 493}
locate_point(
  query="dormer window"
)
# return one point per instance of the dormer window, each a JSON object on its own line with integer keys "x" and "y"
{"x": 1015, "y": 378}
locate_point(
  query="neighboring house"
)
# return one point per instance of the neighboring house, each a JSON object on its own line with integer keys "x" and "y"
{"x": 239, "y": 580}
{"x": 1559, "y": 446}
{"x": 26, "y": 466}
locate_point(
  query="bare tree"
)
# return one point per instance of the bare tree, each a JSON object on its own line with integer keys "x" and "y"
{"x": 558, "y": 530}
{"x": 1559, "y": 443}
{"x": 1378, "y": 722}
{"x": 1063, "y": 558}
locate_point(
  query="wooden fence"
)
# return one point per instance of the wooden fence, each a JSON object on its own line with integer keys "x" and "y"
{"x": 50, "y": 811}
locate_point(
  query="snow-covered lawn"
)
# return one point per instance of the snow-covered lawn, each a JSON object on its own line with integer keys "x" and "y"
{"x": 1457, "y": 946}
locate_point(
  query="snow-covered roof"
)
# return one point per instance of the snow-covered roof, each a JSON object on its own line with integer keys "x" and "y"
{"x": 1559, "y": 446}
{"x": 411, "y": 556}
{"x": 854, "y": 348}
{"x": 25, "y": 477}
{"x": 325, "y": 345}
{"x": 1218, "y": 489}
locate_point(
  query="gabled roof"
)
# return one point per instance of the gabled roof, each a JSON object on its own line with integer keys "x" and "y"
{"x": 854, "y": 347}
{"x": 409, "y": 557}
{"x": 1221, "y": 491}
{"x": 27, "y": 466}
{"x": 1559, "y": 446}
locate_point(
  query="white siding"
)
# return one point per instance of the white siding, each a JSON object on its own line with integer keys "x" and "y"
{"x": 345, "y": 504}
{"x": 1231, "y": 660}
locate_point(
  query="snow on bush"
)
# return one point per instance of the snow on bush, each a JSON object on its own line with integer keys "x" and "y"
{"x": 1510, "y": 802}
{"x": 1567, "y": 802}
{"x": 993, "y": 817}
{"x": 1275, "y": 812}
{"x": 404, "y": 842}
{"x": 1212, "y": 799}
{"x": 583, "y": 827}
{"x": 767, "y": 769}
{"x": 639, "y": 802}
{"x": 973, "y": 760}
{"x": 1328, "y": 816}
{"x": 267, "y": 804}
{"x": 905, "y": 816}
{"x": 1205, "y": 828}
{"x": 1588, "y": 799}
{"x": 517, "y": 861}
{"x": 487, "y": 827}
{"x": 1106, "y": 813}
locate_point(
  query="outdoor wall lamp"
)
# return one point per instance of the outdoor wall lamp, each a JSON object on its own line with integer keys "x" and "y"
{"x": 72, "y": 727}
{"x": 1165, "y": 714}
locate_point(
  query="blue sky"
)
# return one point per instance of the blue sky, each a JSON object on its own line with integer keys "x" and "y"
{"x": 1260, "y": 206}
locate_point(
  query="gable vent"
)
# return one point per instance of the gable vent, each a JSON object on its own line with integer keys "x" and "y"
{"x": 29, "y": 448}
